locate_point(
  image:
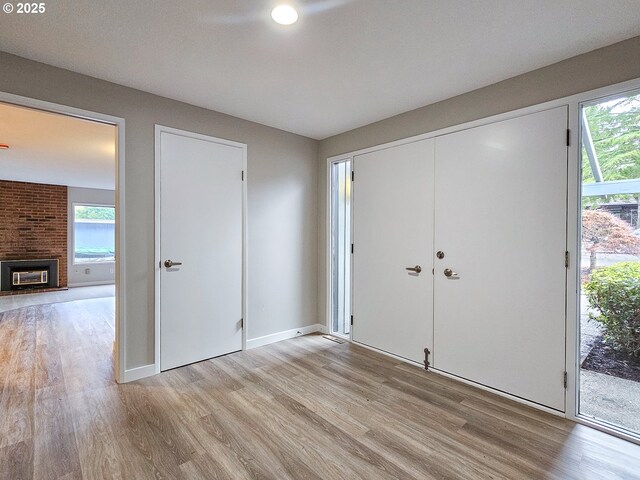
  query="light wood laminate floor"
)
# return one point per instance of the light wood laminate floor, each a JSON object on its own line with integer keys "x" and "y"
{"x": 306, "y": 408}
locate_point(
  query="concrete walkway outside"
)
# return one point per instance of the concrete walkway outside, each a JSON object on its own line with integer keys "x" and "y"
{"x": 612, "y": 399}
{"x": 604, "y": 397}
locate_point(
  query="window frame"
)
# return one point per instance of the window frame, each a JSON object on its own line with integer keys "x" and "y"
{"x": 73, "y": 232}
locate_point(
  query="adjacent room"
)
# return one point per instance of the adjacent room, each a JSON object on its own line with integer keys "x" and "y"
{"x": 57, "y": 255}
{"x": 320, "y": 239}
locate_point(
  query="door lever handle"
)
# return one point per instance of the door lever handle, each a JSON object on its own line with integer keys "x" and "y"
{"x": 416, "y": 269}
{"x": 450, "y": 273}
{"x": 171, "y": 263}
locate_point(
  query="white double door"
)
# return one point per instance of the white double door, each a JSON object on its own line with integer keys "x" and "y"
{"x": 200, "y": 204}
{"x": 491, "y": 202}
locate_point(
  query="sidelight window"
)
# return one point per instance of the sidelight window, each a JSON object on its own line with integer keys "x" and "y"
{"x": 341, "y": 248}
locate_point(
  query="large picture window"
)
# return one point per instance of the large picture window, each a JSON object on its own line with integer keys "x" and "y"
{"x": 93, "y": 233}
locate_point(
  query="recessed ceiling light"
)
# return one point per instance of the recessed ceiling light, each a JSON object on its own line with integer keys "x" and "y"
{"x": 284, "y": 14}
{"x": 4, "y": 146}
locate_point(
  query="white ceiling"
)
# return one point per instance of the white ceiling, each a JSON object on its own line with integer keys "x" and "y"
{"x": 56, "y": 149}
{"x": 346, "y": 63}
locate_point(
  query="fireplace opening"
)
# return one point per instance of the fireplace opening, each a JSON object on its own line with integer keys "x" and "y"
{"x": 28, "y": 274}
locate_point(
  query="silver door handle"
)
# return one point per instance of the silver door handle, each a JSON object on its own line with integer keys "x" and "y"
{"x": 416, "y": 269}
{"x": 171, "y": 263}
{"x": 450, "y": 273}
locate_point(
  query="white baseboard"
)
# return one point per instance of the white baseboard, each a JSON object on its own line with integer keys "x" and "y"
{"x": 287, "y": 334}
{"x": 148, "y": 370}
{"x": 91, "y": 284}
{"x": 138, "y": 373}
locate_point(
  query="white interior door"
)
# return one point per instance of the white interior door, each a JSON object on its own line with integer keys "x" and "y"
{"x": 201, "y": 231}
{"x": 500, "y": 221}
{"x": 392, "y": 231}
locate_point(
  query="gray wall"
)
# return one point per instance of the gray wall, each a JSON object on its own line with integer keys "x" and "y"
{"x": 613, "y": 64}
{"x": 98, "y": 273}
{"x": 282, "y": 198}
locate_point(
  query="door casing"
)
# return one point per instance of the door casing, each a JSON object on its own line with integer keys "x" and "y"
{"x": 159, "y": 129}
{"x": 120, "y": 343}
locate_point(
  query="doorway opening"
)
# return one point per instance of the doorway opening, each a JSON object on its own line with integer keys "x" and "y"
{"x": 60, "y": 238}
{"x": 340, "y": 247}
{"x": 609, "y": 374}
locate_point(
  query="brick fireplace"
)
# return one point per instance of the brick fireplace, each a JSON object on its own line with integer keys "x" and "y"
{"x": 33, "y": 224}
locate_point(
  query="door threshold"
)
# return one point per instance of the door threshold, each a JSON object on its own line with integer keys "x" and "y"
{"x": 346, "y": 338}
{"x": 335, "y": 338}
{"x": 608, "y": 428}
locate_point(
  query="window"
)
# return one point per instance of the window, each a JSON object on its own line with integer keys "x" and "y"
{"x": 609, "y": 373}
{"x": 341, "y": 248}
{"x": 94, "y": 233}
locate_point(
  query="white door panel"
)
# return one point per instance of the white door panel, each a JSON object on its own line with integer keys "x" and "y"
{"x": 201, "y": 227}
{"x": 500, "y": 219}
{"x": 392, "y": 230}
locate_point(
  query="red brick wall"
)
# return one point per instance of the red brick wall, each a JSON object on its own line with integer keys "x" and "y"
{"x": 33, "y": 223}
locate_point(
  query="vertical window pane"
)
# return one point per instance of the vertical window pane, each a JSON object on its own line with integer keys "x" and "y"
{"x": 341, "y": 247}
{"x": 610, "y": 263}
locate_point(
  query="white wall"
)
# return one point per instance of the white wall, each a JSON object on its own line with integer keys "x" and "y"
{"x": 98, "y": 273}
{"x": 282, "y": 183}
{"x": 606, "y": 66}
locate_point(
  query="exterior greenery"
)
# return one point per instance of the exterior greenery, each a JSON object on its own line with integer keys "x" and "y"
{"x": 95, "y": 213}
{"x": 614, "y": 292}
{"x": 604, "y": 232}
{"x": 615, "y": 130}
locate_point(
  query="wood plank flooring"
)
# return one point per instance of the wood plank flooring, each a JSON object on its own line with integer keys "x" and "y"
{"x": 306, "y": 408}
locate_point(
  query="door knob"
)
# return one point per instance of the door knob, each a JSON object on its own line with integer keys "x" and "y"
{"x": 450, "y": 273}
{"x": 416, "y": 269}
{"x": 171, "y": 263}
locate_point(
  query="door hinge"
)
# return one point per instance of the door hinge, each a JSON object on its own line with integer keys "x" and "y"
{"x": 564, "y": 379}
{"x": 243, "y": 175}
{"x": 242, "y": 323}
{"x": 568, "y": 137}
{"x": 351, "y": 320}
{"x": 566, "y": 259}
{"x": 352, "y": 248}
{"x": 426, "y": 358}
{"x": 353, "y": 175}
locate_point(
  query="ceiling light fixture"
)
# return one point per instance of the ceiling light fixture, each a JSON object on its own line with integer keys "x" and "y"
{"x": 284, "y": 15}
{"x": 4, "y": 146}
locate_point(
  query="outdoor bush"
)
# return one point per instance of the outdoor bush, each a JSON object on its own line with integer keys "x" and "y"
{"x": 604, "y": 232}
{"x": 614, "y": 292}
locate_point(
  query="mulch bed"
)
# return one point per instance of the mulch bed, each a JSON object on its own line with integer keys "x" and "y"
{"x": 605, "y": 359}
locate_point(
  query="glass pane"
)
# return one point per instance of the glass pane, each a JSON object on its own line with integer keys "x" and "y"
{"x": 94, "y": 234}
{"x": 610, "y": 263}
{"x": 341, "y": 248}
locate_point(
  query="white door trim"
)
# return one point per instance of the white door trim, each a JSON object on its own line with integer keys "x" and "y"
{"x": 159, "y": 129}
{"x": 121, "y": 287}
{"x": 573, "y": 218}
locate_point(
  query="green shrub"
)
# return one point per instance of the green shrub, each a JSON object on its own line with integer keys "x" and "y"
{"x": 614, "y": 292}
